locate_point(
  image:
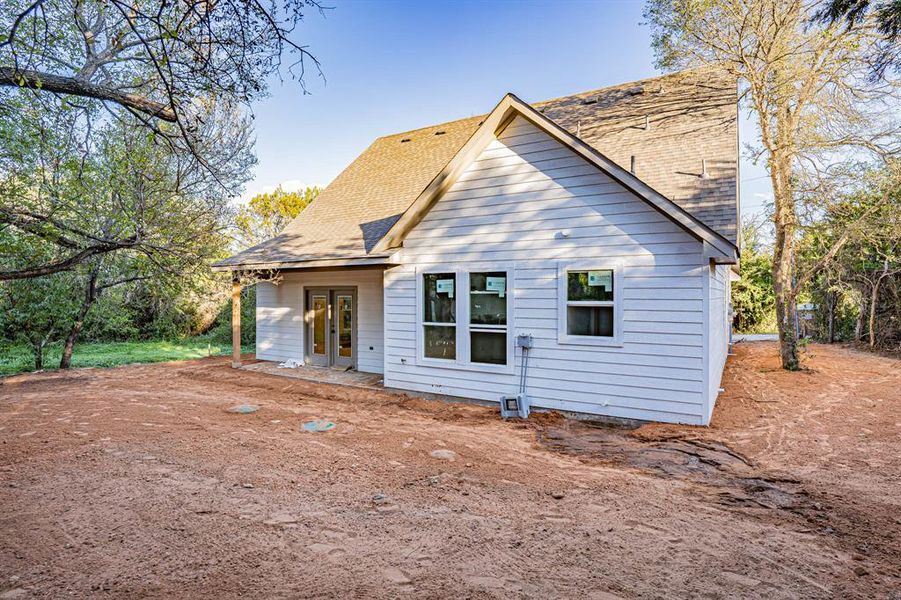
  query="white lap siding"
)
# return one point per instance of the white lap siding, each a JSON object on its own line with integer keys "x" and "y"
{"x": 280, "y": 325}
{"x": 508, "y": 209}
{"x": 718, "y": 324}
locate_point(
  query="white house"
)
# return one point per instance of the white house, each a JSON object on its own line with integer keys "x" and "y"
{"x": 601, "y": 224}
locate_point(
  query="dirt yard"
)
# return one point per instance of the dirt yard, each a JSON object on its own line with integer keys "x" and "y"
{"x": 137, "y": 482}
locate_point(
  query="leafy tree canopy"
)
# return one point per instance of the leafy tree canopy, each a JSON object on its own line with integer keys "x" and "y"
{"x": 267, "y": 214}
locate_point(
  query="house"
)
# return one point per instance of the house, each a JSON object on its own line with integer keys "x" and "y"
{"x": 602, "y": 224}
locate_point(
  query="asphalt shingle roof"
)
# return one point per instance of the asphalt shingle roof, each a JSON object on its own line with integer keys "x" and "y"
{"x": 673, "y": 125}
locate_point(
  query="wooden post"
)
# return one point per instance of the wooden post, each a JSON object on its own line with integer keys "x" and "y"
{"x": 236, "y": 320}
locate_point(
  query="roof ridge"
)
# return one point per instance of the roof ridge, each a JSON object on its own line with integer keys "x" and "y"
{"x": 683, "y": 72}
{"x": 646, "y": 80}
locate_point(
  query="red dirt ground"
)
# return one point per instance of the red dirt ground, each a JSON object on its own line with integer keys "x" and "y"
{"x": 136, "y": 482}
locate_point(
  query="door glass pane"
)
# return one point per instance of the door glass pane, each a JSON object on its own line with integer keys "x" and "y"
{"x": 319, "y": 318}
{"x": 488, "y": 298}
{"x": 345, "y": 326}
{"x": 440, "y": 341}
{"x": 589, "y": 285}
{"x": 439, "y": 303}
{"x": 589, "y": 320}
{"x": 488, "y": 347}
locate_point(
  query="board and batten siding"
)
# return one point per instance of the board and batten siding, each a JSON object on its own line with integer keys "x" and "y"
{"x": 508, "y": 210}
{"x": 280, "y": 318}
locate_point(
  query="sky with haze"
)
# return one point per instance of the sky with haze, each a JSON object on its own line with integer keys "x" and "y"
{"x": 391, "y": 66}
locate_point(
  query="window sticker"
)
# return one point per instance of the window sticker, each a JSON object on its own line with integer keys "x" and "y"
{"x": 602, "y": 279}
{"x": 496, "y": 284}
{"x": 445, "y": 286}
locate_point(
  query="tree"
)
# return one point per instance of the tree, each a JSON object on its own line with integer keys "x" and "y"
{"x": 35, "y": 312}
{"x": 152, "y": 57}
{"x": 867, "y": 265}
{"x": 181, "y": 74}
{"x": 158, "y": 215}
{"x": 753, "y": 303}
{"x": 266, "y": 215}
{"x": 114, "y": 189}
{"x": 807, "y": 82}
{"x": 887, "y": 14}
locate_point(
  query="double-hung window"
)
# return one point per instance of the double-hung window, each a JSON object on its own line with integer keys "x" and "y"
{"x": 439, "y": 316}
{"x": 464, "y": 317}
{"x": 488, "y": 317}
{"x": 589, "y": 310}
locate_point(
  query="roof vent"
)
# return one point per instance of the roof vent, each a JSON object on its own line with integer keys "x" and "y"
{"x": 590, "y": 100}
{"x": 636, "y": 91}
{"x": 405, "y": 140}
{"x": 440, "y": 132}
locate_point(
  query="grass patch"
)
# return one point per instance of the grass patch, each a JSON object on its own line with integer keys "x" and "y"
{"x": 18, "y": 359}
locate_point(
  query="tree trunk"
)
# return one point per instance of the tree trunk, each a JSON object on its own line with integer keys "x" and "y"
{"x": 861, "y": 316}
{"x": 871, "y": 322}
{"x": 90, "y": 296}
{"x": 236, "y": 319}
{"x": 874, "y": 297}
{"x": 832, "y": 299}
{"x": 38, "y": 349}
{"x": 783, "y": 258}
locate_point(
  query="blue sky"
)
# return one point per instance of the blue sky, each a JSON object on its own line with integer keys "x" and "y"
{"x": 394, "y": 66}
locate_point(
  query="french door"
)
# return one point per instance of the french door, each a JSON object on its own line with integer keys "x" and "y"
{"x": 331, "y": 327}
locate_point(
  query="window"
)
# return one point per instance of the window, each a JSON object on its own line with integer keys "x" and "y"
{"x": 439, "y": 316}
{"x": 464, "y": 315}
{"x": 589, "y": 310}
{"x": 488, "y": 317}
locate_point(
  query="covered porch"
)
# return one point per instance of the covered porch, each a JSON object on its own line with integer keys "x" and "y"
{"x": 328, "y": 321}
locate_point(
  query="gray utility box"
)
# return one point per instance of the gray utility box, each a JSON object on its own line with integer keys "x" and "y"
{"x": 518, "y": 405}
{"x": 515, "y": 406}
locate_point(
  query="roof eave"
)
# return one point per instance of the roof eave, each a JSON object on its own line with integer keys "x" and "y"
{"x": 386, "y": 259}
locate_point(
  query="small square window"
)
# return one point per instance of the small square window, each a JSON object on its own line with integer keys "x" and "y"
{"x": 588, "y": 309}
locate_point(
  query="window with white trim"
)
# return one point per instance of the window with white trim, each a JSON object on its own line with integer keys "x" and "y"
{"x": 488, "y": 317}
{"x": 589, "y": 303}
{"x": 590, "y": 298}
{"x": 464, "y": 316}
{"x": 439, "y": 316}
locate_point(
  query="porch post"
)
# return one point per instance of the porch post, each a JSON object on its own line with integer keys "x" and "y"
{"x": 236, "y": 319}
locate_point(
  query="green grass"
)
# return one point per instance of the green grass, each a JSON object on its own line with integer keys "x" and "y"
{"x": 18, "y": 359}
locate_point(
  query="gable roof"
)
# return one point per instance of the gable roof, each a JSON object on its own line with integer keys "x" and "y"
{"x": 692, "y": 115}
{"x": 508, "y": 108}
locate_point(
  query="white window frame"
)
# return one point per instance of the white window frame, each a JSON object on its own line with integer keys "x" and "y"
{"x": 421, "y": 323}
{"x": 563, "y": 270}
{"x": 463, "y": 327}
